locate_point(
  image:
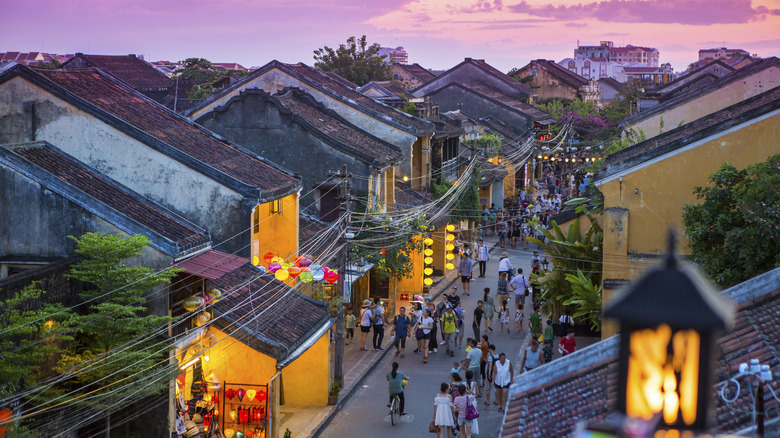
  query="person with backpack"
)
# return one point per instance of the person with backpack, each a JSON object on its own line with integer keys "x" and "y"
{"x": 378, "y": 322}
{"x": 366, "y": 315}
{"x": 566, "y": 322}
{"x": 449, "y": 329}
{"x": 400, "y": 331}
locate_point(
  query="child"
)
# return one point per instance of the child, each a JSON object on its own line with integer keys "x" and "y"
{"x": 549, "y": 335}
{"x": 349, "y": 321}
{"x": 503, "y": 316}
{"x": 456, "y": 368}
{"x": 519, "y": 317}
{"x": 471, "y": 384}
{"x": 468, "y": 344}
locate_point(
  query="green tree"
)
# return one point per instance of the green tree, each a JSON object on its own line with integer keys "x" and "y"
{"x": 388, "y": 244}
{"x": 357, "y": 61}
{"x": 465, "y": 205}
{"x": 735, "y": 232}
{"x": 197, "y": 69}
{"x": 116, "y": 343}
{"x": 31, "y": 332}
{"x": 409, "y": 106}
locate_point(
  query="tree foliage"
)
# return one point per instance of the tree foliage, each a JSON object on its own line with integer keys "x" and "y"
{"x": 465, "y": 205}
{"x": 115, "y": 344}
{"x": 735, "y": 232}
{"x": 357, "y": 61}
{"x": 389, "y": 244}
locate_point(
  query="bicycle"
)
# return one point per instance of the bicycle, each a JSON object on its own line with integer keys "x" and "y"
{"x": 394, "y": 410}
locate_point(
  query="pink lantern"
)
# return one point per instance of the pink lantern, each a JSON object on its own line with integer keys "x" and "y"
{"x": 274, "y": 266}
{"x": 331, "y": 276}
{"x": 305, "y": 263}
{"x": 240, "y": 394}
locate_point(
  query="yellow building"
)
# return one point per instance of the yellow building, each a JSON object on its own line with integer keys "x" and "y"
{"x": 646, "y": 185}
{"x": 685, "y": 106}
{"x": 275, "y": 229}
{"x": 262, "y": 335}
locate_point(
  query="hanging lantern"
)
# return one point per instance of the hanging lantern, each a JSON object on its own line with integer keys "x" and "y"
{"x": 305, "y": 263}
{"x": 277, "y": 259}
{"x": 250, "y": 394}
{"x": 297, "y": 261}
{"x": 261, "y": 269}
{"x": 261, "y": 396}
{"x": 314, "y": 267}
{"x": 255, "y": 260}
{"x": 233, "y": 414}
{"x": 449, "y": 266}
{"x": 282, "y": 274}
{"x": 268, "y": 257}
{"x": 240, "y": 393}
{"x": 450, "y": 256}
{"x": 191, "y": 303}
{"x": 427, "y": 282}
{"x": 450, "y": 227}
{"x": 206, "y": 298}
{"x": 239, "y": 434}
{"x": 215, "y": 295}
{"x": 306, "y": 277}
{"x": 428, "y": 241}
{"x": 331, "y": 276}
{"x": 428, "y": 252}
{"x": 230, "y": 394}
{"x": 449, "y": 237}
{"x": 318, "y": 275}
{"x": 294, "y": 271}
{"x": 383, "y": 252}
{"x": 229, "y": 433}
{"x": 428, "y": 260}
{"x": 427, "y": 271}
{"x": 325, "y": 269}
{"x": 274, "y": 266}
{"x": 202, "y": 319}
{"x": 286, "y": 265}
{"x": 449, "y": 247}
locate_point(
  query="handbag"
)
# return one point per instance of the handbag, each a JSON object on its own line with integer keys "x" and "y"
{"x": 471, "y": 410}
{"x": 419, "y": 333}
{"x": 432, "y": 427}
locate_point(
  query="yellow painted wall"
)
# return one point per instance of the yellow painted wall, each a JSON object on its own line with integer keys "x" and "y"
{"x": 421, "y": 159}
{"x": 389, "y": 193}
{"x": 509, "y": 181}
{"x": 710, "y": 102}
{"x": 306, "y": 381}
{"x": 438, "y": 247}
{"x": 277, "y": 232}
{"x": 414, "y": 284}
{"x": 637, "y": 237}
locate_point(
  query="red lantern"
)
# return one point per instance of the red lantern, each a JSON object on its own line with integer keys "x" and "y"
{"x": 294, "y": 271}
{"x": 383, "y": 252}
{"x": 230, "y": 394}
{"x": 268, "y": 257}
{"x": 298, "y": 260}
{"x": 331, "y": 277}
{"x": 261, "y": 396}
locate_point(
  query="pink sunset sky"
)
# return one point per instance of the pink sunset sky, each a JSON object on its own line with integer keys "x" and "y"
{"x": 437, "y": 33}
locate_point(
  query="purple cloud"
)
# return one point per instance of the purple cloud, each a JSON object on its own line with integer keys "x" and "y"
{"x": 479, "y": 6}
{"x": 692, "y": 12}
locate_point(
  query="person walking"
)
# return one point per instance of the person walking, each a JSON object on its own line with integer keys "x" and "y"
{"x": 535, "y": 322}
{"x": 379, "y": 324}
{"x": 505, "y": 266}
{"x": 433, "y": 344}
{"x": 489, "y": 309}
{"x": 568, "y": 344}
{"x": 483, "y": 256}
{"x": 549, "y": 336}
{"x": 520, "y": 286}
{"x": 448, "y": 328}
{"x": 464, "y": 269}
{"x": 400, "y": 331}
{"x": 442, "y": 411}
{"x": 503, "y": 374}
{"x": 365, "y": 323}
{"x": 532, "y": 357}
{"x": 461, "y": 405}
{"x": 566, "y": 321}
{"x": 426, "y": 324}
{"x": 502, "y": 287}
{"x": 478, "y": 312}
{"x": 471, "y": 363}
{"x": 349, "y": 323}
{"x": 395, "y": 387}
{"x": 491, "y": 360}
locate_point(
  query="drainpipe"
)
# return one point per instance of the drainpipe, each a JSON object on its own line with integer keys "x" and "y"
{"x": 273, "y": 427}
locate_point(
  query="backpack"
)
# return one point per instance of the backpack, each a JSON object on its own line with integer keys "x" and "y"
{"x": 404, "y": 325}
{"x": 377, "y": 320}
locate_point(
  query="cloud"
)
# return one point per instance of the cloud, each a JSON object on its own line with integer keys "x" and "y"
{"x": 691, "y": 12}
{"x": 477, "y": 7}
{"x": 575, "y": 24}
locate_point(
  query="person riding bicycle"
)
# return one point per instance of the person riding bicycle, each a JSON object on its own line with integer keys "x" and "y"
{"x": 395, "y": 386}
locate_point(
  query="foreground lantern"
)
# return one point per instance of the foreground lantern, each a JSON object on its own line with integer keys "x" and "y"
{"x": 668, "y": 322}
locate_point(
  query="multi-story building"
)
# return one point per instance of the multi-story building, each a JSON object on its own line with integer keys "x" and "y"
{"x": 721, "y": 53}
{"x": 593, "y": 52}
{"x": 594, "y": 68}
{"x": 629, "y": 54}
{"x": 393, "y": 56}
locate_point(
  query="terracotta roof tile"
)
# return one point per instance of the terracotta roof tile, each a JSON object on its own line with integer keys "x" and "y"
{"x": 118, "y": 101}
{"x": 513, "y": 103}
{"x": 129, "y": 68}
{"x": 111, "y": 194}
{"x": 501, "y": 75}
{"x": 417, "y": 71}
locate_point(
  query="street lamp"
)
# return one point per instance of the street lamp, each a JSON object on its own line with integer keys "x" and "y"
{"x": 668, "y": 321}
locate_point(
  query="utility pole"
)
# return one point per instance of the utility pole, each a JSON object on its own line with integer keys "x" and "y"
{"x": 345, "y": 197}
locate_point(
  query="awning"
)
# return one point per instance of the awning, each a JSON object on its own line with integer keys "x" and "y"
{"x": 352, "y": 274}
{"x": 211, "y": 264}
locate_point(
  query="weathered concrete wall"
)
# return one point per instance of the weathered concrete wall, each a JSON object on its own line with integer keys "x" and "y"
{"x": 189, "y": 193}
{"x": 455, "y": 98}
{"x": 276, "y": 80}
{"x": 546, "y": 85}
{"x": 257, "y": 124}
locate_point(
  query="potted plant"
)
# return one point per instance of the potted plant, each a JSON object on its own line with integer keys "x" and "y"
{"x": 333, "y": 394}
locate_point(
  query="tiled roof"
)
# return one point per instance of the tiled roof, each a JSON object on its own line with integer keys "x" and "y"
{"x": 491, "y": 174}
{"x": 265, "y": 314}
{"x": 211, "y": 264}
{"x": 691, "y": 132}
{"x": 491, "y": 93}
{"x": 342, "y": 80}
{"x": 563, "y": 74}
{"x": 129, "y": 68}
{"x": 394, "y": 89}
{"x": 86, "y": 185}
{"x": 551, "y": 400}
{"x": 502, "y": 76}
{"x": 113, "y": 99}
{"x": 614, "y": 83}
{"x": 313, "y": 243}
{"x": 417, "y": 71}
{"x": 355, "y": 140}
{"x": 228, "y": 66}
{"x": 640, "y": 70}
{"x": 420, "y": 126}
{"x": 694, "y": 73}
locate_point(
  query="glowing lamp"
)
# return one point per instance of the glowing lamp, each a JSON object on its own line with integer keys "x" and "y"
{"x": 215, "y": 295}
{"x": 406, "y": 178}
{"x": 294, "y": 271}
{"x": 428, "y": 260}
{"x": 450, "y": 227}
{"x": 449, "y": 266}
{"x": 449, "y": 247}
{"x": 428, "y": 271}
{"x": 255, "y": 260}
{"x": 450, "y": 256}
{"x": 427, "y": 282}
{"x": 428, "y": 241}
{"x": 449, "y": 237}
{"x": 428, "y": 252}
{"x": 268, "y": 257}
{"x": 191, "y": 303}
{"x": 668, "y": 321}
{"x": 306, "y": 277}
{"x": 331, "y": 276}
{"x": 274, "y": 266}
{"x": 539, "y": 157}
{"x": 282, "y": 274}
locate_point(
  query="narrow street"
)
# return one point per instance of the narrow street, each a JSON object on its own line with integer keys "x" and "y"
{"x": 366, "y": 413}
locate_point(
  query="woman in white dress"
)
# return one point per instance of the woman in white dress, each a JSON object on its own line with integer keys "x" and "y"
{"x": 442, "y": 411}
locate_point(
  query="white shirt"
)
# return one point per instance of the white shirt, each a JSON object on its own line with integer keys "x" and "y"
{"x": 520, "y": 283}
{"x": 378, "y": 311}
{"x": 502, "y": 373}
{"x": 483, "y": 253}
{"x": 504, "y": 265}
{"x": 365, "y": 317}
{"x": 427, "y": 324}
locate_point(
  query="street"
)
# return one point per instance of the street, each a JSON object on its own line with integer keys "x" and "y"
{"x": 366, "y": 413}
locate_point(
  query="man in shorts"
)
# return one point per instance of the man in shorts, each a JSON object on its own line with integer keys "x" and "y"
{"x": 464, "y": 269}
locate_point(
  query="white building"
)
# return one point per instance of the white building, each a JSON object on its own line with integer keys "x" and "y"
{"x": 595, "y": 69}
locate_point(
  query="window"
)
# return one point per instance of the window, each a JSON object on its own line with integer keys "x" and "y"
{"x": 276, "y": 206}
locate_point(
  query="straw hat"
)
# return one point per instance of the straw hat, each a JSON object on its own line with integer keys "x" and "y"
{"x": 504, "y": 254}
{"x": 366, "y": 303}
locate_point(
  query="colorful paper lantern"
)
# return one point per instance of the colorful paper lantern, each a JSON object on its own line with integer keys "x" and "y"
{"x": 233, "y": 415}
{"x": 318, "y": 275}
{"x": 274, "y": 266}
{"x": 305, "y": 263}
{"x": 261, "y": 396}
{"x": 315, "y": 267}
{"x": 294, "y": 271}
{"x": 427, "y": 282}
{"x": 449, "y": 247}
{"x": 206, "y": 298}
{"x": 250, "y": 394}
{"x": 428, "y": 260}
{"x": 450, "y": 256}
{"x": 449, "y": 237}
{"x": 286, "y": 265}
{"x": 450, "y": 227}
{"x": 230, "y": 394}
{"x": 191, "y": 303}
{"x": 239, "y": 434}
{"x": 297, "y": 261}
{"x": 240, "y": 394}
{"x": 229, "y": 433}
{"x": 202, "y": 319}
{"x": 428, "y": 252}
{"x": 215, "y": 295}
{"x": 428, "y": 241}
{"x": 282, "y": 274}
{"x": 268, "y": 257}
{"x": 325, "y": 269}
{"x": 277, "y": 259}
{"x": 261, "y": 269}
{"x": 427, "y": 271}
{"x": 331, "y": 276}
{"x": 449, "y": 266}
{"x": 306, "y": 277}
{"x": 255, "y": 260}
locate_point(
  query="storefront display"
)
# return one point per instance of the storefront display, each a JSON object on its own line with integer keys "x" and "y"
{"x": 247, "y": 410}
